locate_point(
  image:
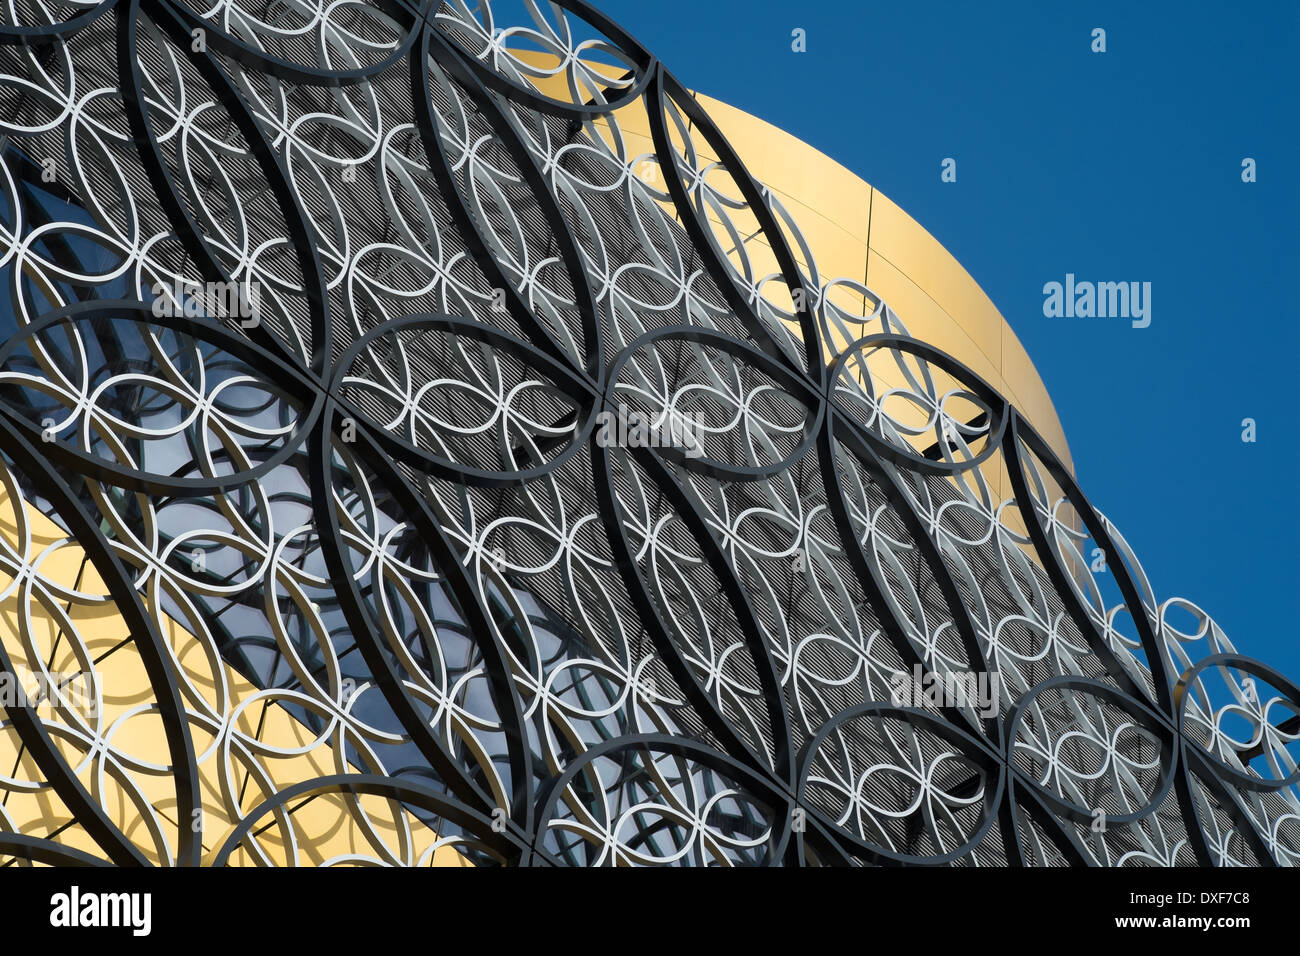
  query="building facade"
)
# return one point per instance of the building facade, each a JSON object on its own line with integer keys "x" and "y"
{"x": 424, "y": 441}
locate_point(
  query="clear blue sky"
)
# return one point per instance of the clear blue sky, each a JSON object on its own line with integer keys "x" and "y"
{"x": 1117, "y": 166}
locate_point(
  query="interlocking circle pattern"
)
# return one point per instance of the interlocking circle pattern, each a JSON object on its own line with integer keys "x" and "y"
{"x": 358, "y": 576}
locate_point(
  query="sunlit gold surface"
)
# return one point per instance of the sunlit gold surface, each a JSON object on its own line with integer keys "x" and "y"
{"x": 858, "y": 233}
{"x": 324, "y": 829}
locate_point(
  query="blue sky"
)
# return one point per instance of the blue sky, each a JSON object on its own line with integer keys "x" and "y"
{"x": 1117, "y": 166}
